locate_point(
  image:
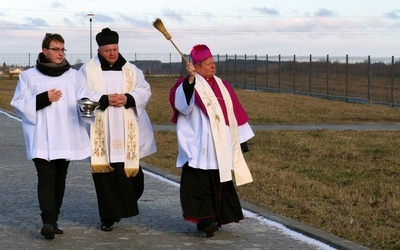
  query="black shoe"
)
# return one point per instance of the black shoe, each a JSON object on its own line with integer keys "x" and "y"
{"x": 57, "y": 230}
{"x": 106, "y": 226}
{"x": 211, "y": 229}
{"x": 47, "y": 231}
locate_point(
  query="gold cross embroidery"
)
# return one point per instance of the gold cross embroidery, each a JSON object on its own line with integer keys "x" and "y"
{"x": 210, "y": 103}
{"x": 129, "y": 78}
{"x": 117, "y": 144}
{"x": 99, "y": 149}
{"x": 132, "y": 144}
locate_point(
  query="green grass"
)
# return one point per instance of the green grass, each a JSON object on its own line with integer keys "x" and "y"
{"x": 343, "y": 182}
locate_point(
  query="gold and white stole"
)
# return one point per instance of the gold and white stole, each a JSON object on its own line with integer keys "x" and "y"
{"x": 220, "y": 135}
{"x": 100, "y": 162}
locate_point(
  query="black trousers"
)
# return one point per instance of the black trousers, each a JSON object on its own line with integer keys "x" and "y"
{"x": 51, "y": 187}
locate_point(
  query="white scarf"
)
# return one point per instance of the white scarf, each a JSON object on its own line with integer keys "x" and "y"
{"x": 220, "y": 136}
{"x": 100, "y": 160}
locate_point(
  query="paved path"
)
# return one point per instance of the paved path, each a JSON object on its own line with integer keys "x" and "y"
{"x": 159, "y": 225}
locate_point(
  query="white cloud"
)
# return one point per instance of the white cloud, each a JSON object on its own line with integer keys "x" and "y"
{"x": 230, "y": 27}
{"x": 324, "y": 13}
{"x": 267, "y": 11}
{"x": 395, "y": 14}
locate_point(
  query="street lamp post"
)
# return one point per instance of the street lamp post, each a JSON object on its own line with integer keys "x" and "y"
{"x": 90, "y": 15}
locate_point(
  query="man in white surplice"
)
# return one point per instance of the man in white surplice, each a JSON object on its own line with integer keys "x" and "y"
{"x": 121, "y": 133}
{"x": 212, "y": 130}
{"x": 45, "y": 99}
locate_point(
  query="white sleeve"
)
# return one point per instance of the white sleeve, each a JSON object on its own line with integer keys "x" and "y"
{"x": 24, "y": 100}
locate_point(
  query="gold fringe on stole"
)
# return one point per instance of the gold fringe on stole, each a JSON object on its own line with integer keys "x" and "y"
{"x": 242, "y": 175}
{"x": 131, "y": 172}
{"x": 102, "y": 168}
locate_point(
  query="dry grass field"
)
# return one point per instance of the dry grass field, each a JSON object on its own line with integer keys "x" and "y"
{"x": 343, "y": 182}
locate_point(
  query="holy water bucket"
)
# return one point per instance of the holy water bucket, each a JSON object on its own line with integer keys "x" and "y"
{"x": 87, "y": 107}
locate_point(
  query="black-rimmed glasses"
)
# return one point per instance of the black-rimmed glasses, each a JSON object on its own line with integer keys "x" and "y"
{"x": 58, "y": 49}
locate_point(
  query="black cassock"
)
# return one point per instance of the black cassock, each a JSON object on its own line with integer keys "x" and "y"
{"x": 203, "y": 196}
{"x": 117, "y": 195}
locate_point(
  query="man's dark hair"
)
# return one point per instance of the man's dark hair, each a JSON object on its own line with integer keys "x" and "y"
{"x": 49, "y": 37}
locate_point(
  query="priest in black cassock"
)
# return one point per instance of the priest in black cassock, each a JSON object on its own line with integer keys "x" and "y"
{"x": 121, "y": 133}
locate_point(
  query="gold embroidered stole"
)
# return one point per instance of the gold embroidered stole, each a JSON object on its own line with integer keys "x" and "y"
{"x": 219, "y": 133}
{"x": 98, "y": 130}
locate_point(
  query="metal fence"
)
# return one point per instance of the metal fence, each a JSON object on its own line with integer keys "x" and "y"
{"x": 353, "y": 79}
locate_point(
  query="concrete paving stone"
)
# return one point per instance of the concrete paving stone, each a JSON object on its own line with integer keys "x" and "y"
{"x": 159, "y": 225}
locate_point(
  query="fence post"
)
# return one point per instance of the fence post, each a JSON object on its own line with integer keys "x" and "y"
{"x": 279, "y": 73}
{"x": 255, "y": 71}
{"x": 327, "y": 76}
{"x": 347, "y": 78}
{"x": 170, "y": 63}
{"x": 245, "y": 71}
{"x": 369, "y": 78}
{"x": 235, "y": 69}
{"x": 266, "y": 72}
{"x": 310, "y": 75}
{"x": 392, "y": 82}
{"x": 226, "y": 67}
{"x": 294, "y": 74}
{"x": 217, "y": 61}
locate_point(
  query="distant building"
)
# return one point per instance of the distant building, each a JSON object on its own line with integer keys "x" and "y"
{"x": 14, "y": 71}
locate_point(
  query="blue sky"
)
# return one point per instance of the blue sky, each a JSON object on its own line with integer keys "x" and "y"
{"x": 287, "y": 27}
